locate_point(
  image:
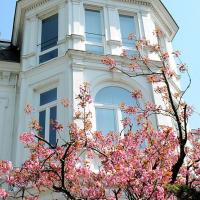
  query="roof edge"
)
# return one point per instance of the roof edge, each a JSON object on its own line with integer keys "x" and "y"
{"x": 171, "y": 24}
{"x": 175, "y": 25}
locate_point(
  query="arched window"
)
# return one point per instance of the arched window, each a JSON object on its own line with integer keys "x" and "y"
{"x": 108, "y": 113}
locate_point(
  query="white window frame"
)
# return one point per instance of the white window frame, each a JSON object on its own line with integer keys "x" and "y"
{"x": 135, "y": 17}
{"x": 40, "y": 53}
{"x": 101, "y": 10}
{"x": 117, "y": 111}
{"x": 46, "y": 108}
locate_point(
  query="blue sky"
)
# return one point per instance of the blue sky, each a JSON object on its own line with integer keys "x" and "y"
{"x": 187, "y": 15}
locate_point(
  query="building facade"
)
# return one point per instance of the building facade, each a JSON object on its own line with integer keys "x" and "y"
{"x": 59, "y": 44}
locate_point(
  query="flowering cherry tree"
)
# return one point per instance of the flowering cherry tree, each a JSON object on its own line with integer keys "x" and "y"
{"x": 143, "y": 164}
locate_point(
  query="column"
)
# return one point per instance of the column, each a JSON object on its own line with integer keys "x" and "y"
{"x": 29, "y": 57}
{"x": 77, "y": 29}
{"x": 149, "y": 28}
{"x": 62, "y": 28}
{"x": 113, "y": 31}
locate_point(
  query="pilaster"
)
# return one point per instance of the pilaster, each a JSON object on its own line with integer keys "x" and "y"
{"x": 114, "y": 35}
{"x": 62, "y": 28}
{"x": 29, "y": 54}
{"x": 77, "y": 29}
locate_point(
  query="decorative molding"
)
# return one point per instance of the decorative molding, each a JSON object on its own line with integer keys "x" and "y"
{"x": 114, "y": 42}
{"x": 143, "y": 3}
{"x": 8, "y": 78}
{"x": 10, "y": 67}
{"x": 26, "y": 56}
{"x": 77, "y": 37}
{"x": 36, "y": 4}
{"x": 150, "y": 5}
{"x": 161, "y": 20}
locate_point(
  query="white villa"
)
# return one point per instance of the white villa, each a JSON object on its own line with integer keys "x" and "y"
{"x": 58, "y": 44}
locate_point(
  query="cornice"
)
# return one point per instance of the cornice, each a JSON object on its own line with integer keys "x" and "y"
{"x": 9, "y": 67}
{"x": 153, "y": 8}
{"x": 8, "y": 78}
{"x": 169, "y": 32}
{"x": 36, "y": 4}
{"x": 158, "y": 9}
{"x": 143, "y": 3}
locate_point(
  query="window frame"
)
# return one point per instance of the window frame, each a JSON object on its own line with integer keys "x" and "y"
{"x": 117, "y": 111}
{"x": 136, "y": 18}
{"x": 41, "y": 53}
{"x": 116, "y": 108}
{"x": 101, "y": 10}
{"x": 46, "y": 107}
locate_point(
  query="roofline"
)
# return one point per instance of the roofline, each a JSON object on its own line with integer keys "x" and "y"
{"x": 5, "y": 41}
{"x": 160, "y": 1}
{"x": 14, "y": 21}
{"x": 169, "y": 15}
{"x": 167, "y": 11}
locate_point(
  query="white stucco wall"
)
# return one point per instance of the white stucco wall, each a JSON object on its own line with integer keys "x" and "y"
{"x": 72, "y": 67}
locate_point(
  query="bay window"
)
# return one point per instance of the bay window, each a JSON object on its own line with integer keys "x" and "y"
{"x": 108, "y": 112}
{"x": 94, "y": 31}
{"x": 47, "y": 114}
{"x": 49, "y": 38}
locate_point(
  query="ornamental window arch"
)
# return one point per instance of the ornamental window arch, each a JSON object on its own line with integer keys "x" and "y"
{"x": 107, "y": 96}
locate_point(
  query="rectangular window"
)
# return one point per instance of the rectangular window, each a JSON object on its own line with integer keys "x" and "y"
{"x": 93, "y": 31}
{"x": 48, "y": 56}
{"x": 49, "y": 39}
{"x": 47, "y": 114}
{"x": 127, "y": 26}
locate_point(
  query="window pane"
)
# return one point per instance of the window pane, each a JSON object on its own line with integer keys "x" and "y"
{"x": 127, "y": 25}
{"x": 93, "y": 38}
{"x": 48, "y": 56}
{"x": 134, "y": 123}
{"x": 52, "y": 131}
{"x": 48, "y": 96}
{"x": 105, "y": 120}
{"x": 49, "y": 36}
{"x": 93, "y": 22}
{"x": 114, "y": 96}
{"x": 93, "y": 31}
{"x": 94, "y": 49}
{"x": 42, "y": 119}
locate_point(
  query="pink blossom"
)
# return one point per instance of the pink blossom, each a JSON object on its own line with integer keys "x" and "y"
{"x": 150, "y": 106}
{"x": 137, "y": 94}
{"x": 27, "y": 137}
{"x": 165, "y": 55}
{"x": 109, "y": 62}
{"x": 158, "y": 32}
{"x": 3, "y": 193}
{"x": 5, "y": 166}
{"x": 126, "y": 121}
{"x": 56, "y": 125}
{"x": 182, "y": 67}
{"x": 10, "y": 180}
{"x": 28, "y": 109}
{"x": 176, "y": 53}
{"x": 65, "y": 102}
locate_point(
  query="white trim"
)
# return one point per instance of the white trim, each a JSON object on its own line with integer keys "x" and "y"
{"x": 46, "y": 107}
{"x": 115, "y": 108}
{"x": 48, "y": 13}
